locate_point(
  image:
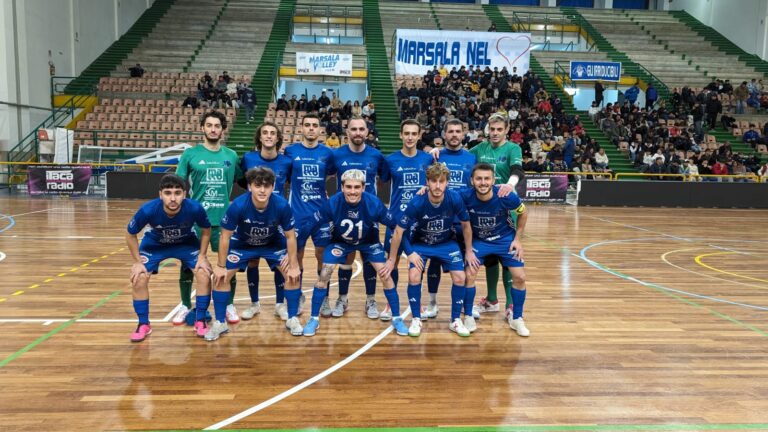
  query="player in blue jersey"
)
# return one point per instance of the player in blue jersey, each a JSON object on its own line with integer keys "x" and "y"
{"x": 311, "y": 163}
{"x": 354, "y": 216}
{"x": 258, "y": 224}
{"x": 407, "y": 170}
{"x": 267, "y": 140}
{"x": 430, "y": 218}
{"x": 493, "y": 235}
{"x": 357, "y": 155}
{"x": 171, "y": 218}
{"x": 459, "y": 162}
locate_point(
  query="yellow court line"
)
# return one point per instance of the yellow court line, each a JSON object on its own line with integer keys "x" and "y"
{"x": 48, "y": 280}
{"x": 19, "y": 292}
{"x": 61, "y": 274}
{"x": 3, "y": 299}
{"x": 699, "y": 262}
{"x": 34, "y": 286}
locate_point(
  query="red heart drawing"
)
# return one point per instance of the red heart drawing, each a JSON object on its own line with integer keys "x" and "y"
{"x": 521, "y": 54}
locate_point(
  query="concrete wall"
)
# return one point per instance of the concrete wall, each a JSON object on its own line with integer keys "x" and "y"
{"x": 65, "y": 34}
{"x": 744, "y": 22}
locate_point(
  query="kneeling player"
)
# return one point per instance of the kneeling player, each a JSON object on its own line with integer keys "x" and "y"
{"x": 256, "y": 225}
{"x": 171, "y": 218}
{"x": 493, "y": 235}
{"x": 354, "y": 215}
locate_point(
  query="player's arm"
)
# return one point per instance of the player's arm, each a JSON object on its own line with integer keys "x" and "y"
{"x": 182, "y": 168}
{"x": 293, "y": 270}
{"x": 220, "y": 270}
{"x": 516, "y": 248}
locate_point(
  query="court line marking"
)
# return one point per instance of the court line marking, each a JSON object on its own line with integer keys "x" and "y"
{"x": 664, "y": 258}
{"x": 38, "y": 211}
{"x": 71, "y": 237}
{"x": 699, "y": 261}
{"x": 11, "y": 222}
{"x": 297, "y": 388}
{"x": 2, "y": 256}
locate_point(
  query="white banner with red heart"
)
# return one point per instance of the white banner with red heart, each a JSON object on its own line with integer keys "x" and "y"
{"x": 419, "y": 51}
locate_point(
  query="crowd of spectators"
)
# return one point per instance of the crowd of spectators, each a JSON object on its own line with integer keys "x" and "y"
{"x": 222, "y": 93}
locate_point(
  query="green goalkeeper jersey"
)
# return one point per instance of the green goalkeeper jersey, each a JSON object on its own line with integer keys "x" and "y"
{"x": 502, "y": 158}
{"x": 211, "y": 175}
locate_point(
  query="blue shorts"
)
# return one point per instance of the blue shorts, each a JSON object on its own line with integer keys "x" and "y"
{"x": 336, "y": 253}
{"x": 240, "y": 253}
{"x": 153, "y": 253}
{"x": 320, "y": 238}
{"x": 388, "y": 241}
{"x": 498, "y": 248}
{"x": 448, "y": 254}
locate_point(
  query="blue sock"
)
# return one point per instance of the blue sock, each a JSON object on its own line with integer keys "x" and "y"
{"x": 433, "y": 276}
{"x": 279, "y": 287}
{"x": 457, "y": 300}
{"x": 394, "y": 274}
{"x": 469, "y": 299}
{"x": 293, "y": 301}
{"x": 220, "y": 302}
{"x": 369, "y": 276}
{"x": 394, "y": 301}
{"x": 344, "y": 279}
{"x": 253, "y": 283}
{"x": 142, "y": 310}
{"x": 318, "y": 295}
{"x": 414, "y": 299}
{"x": 518, "y": 300}
{"x": 201, "y": 305}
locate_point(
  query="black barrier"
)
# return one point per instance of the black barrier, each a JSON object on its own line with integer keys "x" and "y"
{"x": 673, "y": 194}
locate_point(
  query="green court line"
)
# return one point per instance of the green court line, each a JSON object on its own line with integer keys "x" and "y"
{"x": 532, "y": 428}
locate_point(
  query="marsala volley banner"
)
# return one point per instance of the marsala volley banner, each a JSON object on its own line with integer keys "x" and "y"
{"x": 418, "y": 51}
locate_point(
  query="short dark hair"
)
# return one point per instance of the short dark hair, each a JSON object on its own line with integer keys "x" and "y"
{"x": 172, "y": 181}
{"x": 453, "y": 122}
{"x": 212, "y": 113}
{"x": 483, "y": 166}
{"x": 310, "y": 116}
{"x": 257, "y": 136}
{"x": 260, "y": 176}
{"x": 407, "y": 122}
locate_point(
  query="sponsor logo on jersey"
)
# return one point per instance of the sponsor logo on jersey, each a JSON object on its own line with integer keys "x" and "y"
{"x": 411, "y": 179}
{"x": 310, "y": 170}
{"x": 337, "y": 252}
{"x": 234, "y": 259}
{"x": 214, "y": 174}
{"x": 353, "y": 214}
{"x": 435, "y": 225}
{"x": 486, "y": 222}
{"x": 144, "y": 259}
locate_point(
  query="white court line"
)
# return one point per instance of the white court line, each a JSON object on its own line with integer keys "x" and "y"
{"x": 307, "y": 383}
{"x": 70, "y": 237}
{"x": 2, "y": 256}
{"x": 664, "y": 258}
{"x": 37, "y": 211}
{"x": 48, "y": 321}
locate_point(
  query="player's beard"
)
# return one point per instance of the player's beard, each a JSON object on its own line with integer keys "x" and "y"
{"x": 213, "y": 140}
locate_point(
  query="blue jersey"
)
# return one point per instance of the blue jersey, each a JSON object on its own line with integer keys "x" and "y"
{"x": 408, "y": 175}
{"x": 433, "y": 224}
{"x": 460, "y": 163}
{"x": 258, "y": 227}
{"x": 309, "y": 167}
{"x": 370, "y": 161}
{"x": 281, "y": 166}
{"x": 169, "y": 230}
{"x": 353, "y": 224}
{"x": 491, "y": 219}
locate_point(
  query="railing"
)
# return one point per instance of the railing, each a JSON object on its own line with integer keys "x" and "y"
{"x": 743, "y": 178}
{"x": 564, "y": 75}
{"x": 327, "y": 14}
{"x": 161, "y": 168}
{"x": 550, "y": 23}
{"x": 157, "y": 136}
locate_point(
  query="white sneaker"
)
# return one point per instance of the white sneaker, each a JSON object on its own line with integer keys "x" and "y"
{"x": 386, "y": 314}
{"x": 415, "y": 328}
{"x": 470, "y": 324}
{"x": 458, "y": 327}
{"x": 325, "y": 309}
{"x": 431, "y": 311}
{"x": 294, "y": 326}
{"x": 372, "y": 309}
{"x": 518, "y": 325}
{"x": 252, "y": 311}
{"x": 181, "y": 316}
{"x": 281, "y": 310}
{"x": 232, "y": 317}
{"x": 340, "y": 307}
{"x": 484, "y": 306}
{"x": 216, "y": 330}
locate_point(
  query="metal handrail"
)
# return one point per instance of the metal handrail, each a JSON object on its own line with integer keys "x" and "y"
{"x": 564, "y": 74}
{"x": 689, "y": 177}
{"x": 157, "y": 135}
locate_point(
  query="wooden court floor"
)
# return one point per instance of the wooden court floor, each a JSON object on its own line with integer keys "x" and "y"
{"x": 640, "y": 319}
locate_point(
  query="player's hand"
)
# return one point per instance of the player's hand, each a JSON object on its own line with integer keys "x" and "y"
{"x": 219, "y": 275}
{"x": 136, "y": 270}
{"x": 284, "y": 264}
{"x": 471, "y": 260}
{"x": 435, "y": 153}
{"x": 516, "y": 249}
{"x": 386, "y": 269}
{"x": 293, "y": 273}
{"x": 421, "y": 191}
{"x": 203, "y": 264}
{"x": 416, "y": 260}
{"x": 505, "y": 190}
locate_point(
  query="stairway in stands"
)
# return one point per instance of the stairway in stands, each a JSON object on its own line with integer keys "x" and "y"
{"x": 619, "y": 162}
{"x": 119, "y": 50}
{"x": 380, "y": 80}
{"x": 263, "y": 82}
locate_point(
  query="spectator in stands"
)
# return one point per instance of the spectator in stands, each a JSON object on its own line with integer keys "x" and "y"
{"x": 599, "y": 89}
{"x": 225, "y": 76}
{"x": 752, "y": 136}
{"x": 372, "y": 140}
{"x": 232, "y": 94}
{"x": 631, "y": 94}
{"x": 282, "y": 104}
{"x": 691, "y": 171}
{"x": 601, "y": 159}
{"x": 763, "y": 172}
{"x": 593, "y": 110}
{"x": 658, "y": 167}
{"x": 334, "y": 125}
{"x": 293, "y": 104}
{"x": 313, "y": 105}
{"x": 370, "y": 112}
{"x": 191, "y": 101}
{"x": 302, "y": 105}
{"x": 713, "y": 108}
{"x": 324, "y": 101}
{"x": 221, "y": 85}
{"x": 541, "y": 165}
{"x": 720, "y": 168}
{"x": 136, "y": 71}
{"x": 741, "y": 94}
{"x": 357, "y": 110}
{"x": 336, "y": 103}
{"x": 569, "y": 150}
{"x": 248, "y": 101}
{"x": 402, "y": 92}
{"x": 651, "y": 95}
{"x": 333, "y": 141}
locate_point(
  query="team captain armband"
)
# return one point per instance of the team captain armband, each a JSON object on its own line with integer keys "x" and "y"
{"x": 521, "y": 209}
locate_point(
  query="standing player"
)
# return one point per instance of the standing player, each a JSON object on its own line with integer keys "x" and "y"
{"x": 459, "y": 163}
{"x": 357, "y": 155}
{"x": 267, "y": 140}
{"x": 212, "y": 170}
{"x": 259, "y": 225}
{"x": 171, "y": 218}
{"x": 354, "y": 216}
{"x": 311, "y": 163}
{"x": 493, "y": 234}
{"x": 431, "y": 218}
{"x": 406, "y": 169}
